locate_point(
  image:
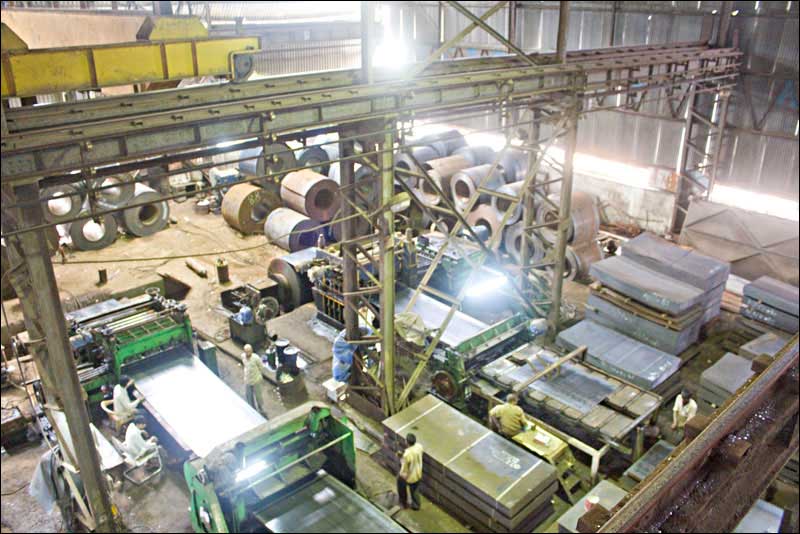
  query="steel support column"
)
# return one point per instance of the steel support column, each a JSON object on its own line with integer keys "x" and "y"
{"x": 387, "y": 277}
{"x": 724, "y": 23}
{"x": 565, "y": 214}
{"x": 563, "y": 31}
{"x": 349, "y": 268}
{"x": 44, "y": 319}
{"x": 367, "y": 40}
{"x": 512, "y": 24}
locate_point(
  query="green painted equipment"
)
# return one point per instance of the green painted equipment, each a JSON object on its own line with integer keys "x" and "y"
{"x": 258, "y": 481}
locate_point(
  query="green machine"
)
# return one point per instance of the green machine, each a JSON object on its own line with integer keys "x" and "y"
{"x": 295, "y": 473}
{"x": 113, "y": 337}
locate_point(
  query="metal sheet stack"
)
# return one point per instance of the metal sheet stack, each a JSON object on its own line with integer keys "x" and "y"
{"x": 485, "y": 480}
{"x": 768, "y": 344}
{"x": 722, "y": 379}
{"x": 773, "y": 303}
{"x": 622, "y": 356}
{"x": 576, "y": 399}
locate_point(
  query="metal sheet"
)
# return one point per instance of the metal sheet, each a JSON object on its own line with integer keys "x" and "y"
{"x": 701, "y": 271}
{"x": 775, "y": 293}
{"x": 109, "y": 457}
{"x": 325, "y": 504}
{"x": 645, "y": 465}
{"x": 728, "y": 374}
{"x": 762, "y": 517}
{"x": 610, "y": 495}
{"x": 199, "y": 408}
{"x": 769, "y": 315}
{"x": 768, "y": 344}
{"x": 620, "y": 355}
{"x": 433, "y": 312}
{"x": 646, "y": 285}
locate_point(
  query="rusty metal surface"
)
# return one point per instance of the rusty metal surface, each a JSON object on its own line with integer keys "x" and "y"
{"x": 713, "y": 480}
{"x": 245, "y": 207}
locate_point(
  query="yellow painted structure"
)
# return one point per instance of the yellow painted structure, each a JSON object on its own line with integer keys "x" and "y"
{"x": 52, "y": 70}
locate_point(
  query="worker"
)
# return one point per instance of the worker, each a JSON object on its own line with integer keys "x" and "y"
{"x": 410, "y": 473}
{"x": 136, "y": 445}
{"x": 508, "y": 418}
{"x": 684, "y": 409}
{"x": 253, "y": 378}
{"x": 126, "y": 405}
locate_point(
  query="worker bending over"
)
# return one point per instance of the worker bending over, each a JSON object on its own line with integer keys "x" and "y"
{"x": 126, "y": 406}
{"x": 508, "y": 418}
{"x": 136, "y": 445}
{"x": 684, "y": 409}
{"x": 253, "y": 379}
{"x": 410, "y": 473}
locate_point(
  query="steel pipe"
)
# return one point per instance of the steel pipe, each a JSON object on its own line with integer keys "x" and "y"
{"x": 311, "y": 194}
{"x": 245, "y": 207}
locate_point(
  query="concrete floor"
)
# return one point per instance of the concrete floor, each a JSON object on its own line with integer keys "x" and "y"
{"x": 161, "y": 505}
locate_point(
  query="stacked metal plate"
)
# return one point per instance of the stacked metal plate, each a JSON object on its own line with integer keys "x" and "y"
{"x": 722, "y": 379}
{"x": 645, "y": 465}
{"x": 574, "y": 398}
{"x": 768, "y": 344}
{"x": 622, "y": 356}
{"x": 485, "y": 480}
{"x": 773, "y": 303}
{"x": 703, "y": 272}
{"x": 762, "y": 517}
{"x": 609, "y": 496}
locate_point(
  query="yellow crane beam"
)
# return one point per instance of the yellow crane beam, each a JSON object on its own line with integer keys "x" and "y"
{"x": 52, "y": 70}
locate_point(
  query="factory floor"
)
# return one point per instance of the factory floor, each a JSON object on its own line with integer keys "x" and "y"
{"x": 161, "y": 504}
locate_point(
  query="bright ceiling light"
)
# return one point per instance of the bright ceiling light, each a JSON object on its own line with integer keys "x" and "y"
{"x": 494, "y": 141}
{"x": 391, "y": 54}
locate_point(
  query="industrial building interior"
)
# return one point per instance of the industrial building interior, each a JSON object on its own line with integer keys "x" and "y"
{"x": 393, "y": 266}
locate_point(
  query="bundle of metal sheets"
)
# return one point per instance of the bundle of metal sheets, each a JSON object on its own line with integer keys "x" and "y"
{"x": 485, "y": 480}
{"x": 640, "y": 328}
{"x": 620, "y": 355}
{"x": 773, "y": 303}
{"x": 701, "y": 271}
{"x": 648, "y": 286}
{"x": 722, "y": 379}
{"x": 645, "y": 465}
{"x": 768, "y": 344}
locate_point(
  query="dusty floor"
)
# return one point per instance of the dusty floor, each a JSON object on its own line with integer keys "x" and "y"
{"x": 161, "y": 505}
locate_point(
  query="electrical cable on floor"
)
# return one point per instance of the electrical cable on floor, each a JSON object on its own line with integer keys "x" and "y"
{"x": 14, "y": 492}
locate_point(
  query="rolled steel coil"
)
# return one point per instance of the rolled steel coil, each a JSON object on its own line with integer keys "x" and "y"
{"x": 512, "y": 242}
{"x": 294, "y": 287}
{"x": 427, "y": 193}
{"x": 317, "y": 157}
{"x": 584, "y": 218}
{"x": 485, "y": 216}
{"x": 445, "y": 168}
{"x": 502, "y": 205}
{"x": 66, "y": 202}
{"x": 477, "y": 155}
{"x": 88, "y": 234}
{"x": 465, "y": 183}
{"x": 312, "y": 194}
{"x": 116, "y": 190}
{"x": 404, "y": 161}
{"x": 585, "y": 254}
{"x": 333, "y": 233}
{"x": 144, "y": 220}
{"x": 332, "y": 151}
{"x": 279, "y": 159}
{"x": 245, "y": 207}
{"x": 445, "y": 143}
{"x": 515, "y": 165}
{"x": 291, "y": 230}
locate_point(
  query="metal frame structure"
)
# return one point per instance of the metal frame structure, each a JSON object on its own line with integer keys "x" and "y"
{"x": 78, "y": 142}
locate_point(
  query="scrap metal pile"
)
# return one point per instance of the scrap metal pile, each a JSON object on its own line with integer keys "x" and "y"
{"x": 485, "y": 480}
{"x": 68, "y": 202}
{"x": 575, "y": 399}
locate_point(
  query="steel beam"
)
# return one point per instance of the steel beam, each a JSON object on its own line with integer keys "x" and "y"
{"x": 387, "y": 241}
{"x": 563, "y": 31}
{"x": 349, "y": 268}
{"x": 367, "y": 41}
{"x": 49, "y": 342}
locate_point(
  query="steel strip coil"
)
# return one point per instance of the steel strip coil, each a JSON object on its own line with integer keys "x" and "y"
{"x": 245, "y": 207}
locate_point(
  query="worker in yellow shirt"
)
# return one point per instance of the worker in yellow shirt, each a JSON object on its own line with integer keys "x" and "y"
{"x": 410, "y": 473}
{"x": 508, "y": 418}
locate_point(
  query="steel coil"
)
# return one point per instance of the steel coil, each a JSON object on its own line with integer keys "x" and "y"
{"x": 464, "y": 184}
{"x": 144, "y": 220}
{"x": 512, "y": 242}
{"x": 311, "y": 194}
{"x": 404, "y": 161}
{"x": 66, "y": 203}
{"x": 445, "y": 143}
{"x": 485, "y": 216}
{"x": 245, "y": 207}
{"x": 87, "y": 234}
{"x": 291, "y": 230}
{"x": 445, "y": 168}
{"x": 515, "y": 165}
{"x": 122, "y": 191}
{"x": 502, "y": 205}
{"x": 317, "y": 157}
{"x": 294, "y": 287}
{"x": 585, "y": 255}
{"x": 279, "y": 159}
{"x": 477, "y": 155}
{"x": 585, "y": 218}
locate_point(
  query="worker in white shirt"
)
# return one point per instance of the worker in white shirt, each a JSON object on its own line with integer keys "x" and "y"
{"x": 253, "y": 378}
{"x": 125, "y": 405}
{"x": 684, "y": 409}
{"x": 410, "y": 473}
{"x": 136, "y": 446}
